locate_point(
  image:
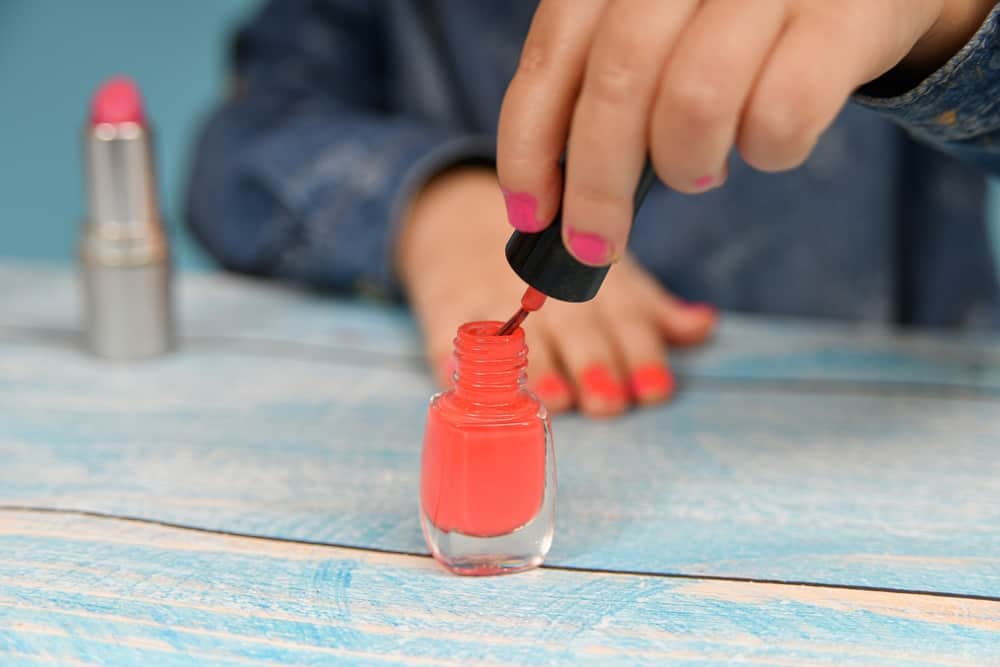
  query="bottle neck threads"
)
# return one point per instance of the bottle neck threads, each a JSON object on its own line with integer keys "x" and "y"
{"x": 489, "y": 369}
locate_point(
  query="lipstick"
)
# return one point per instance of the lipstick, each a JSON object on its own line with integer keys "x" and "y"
{"x": 124, "y": 257}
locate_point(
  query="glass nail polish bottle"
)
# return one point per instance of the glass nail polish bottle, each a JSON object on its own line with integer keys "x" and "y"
{"x": 488, "y": 480}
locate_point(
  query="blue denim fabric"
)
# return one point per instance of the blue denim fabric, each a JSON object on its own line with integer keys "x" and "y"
{"x": 341, "y": 109}
{"x": 960, "y": 102}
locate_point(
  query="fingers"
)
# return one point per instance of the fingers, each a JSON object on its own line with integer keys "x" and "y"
{"x": 535, "y": 116}
{"x": 603, "y": 164}
{"x": 683, "y": 80}
{"x": 705, "y": 86}
{"x": 797, "y": 98}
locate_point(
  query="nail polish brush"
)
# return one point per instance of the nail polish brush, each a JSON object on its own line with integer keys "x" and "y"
{"x": 530, "y": 302}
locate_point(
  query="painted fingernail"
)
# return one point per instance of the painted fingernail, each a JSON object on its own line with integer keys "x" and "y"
{"x": 705, "y": 309}
{"x": 521, "y": 210}
{"x": 598, "y": 381}
{"x": 588, "y": 248}
{"x": 709, "y": 181}
{"x": 652, "y": 382}
{"x": 704, "y": 182}
{"x": 552, "y": 388}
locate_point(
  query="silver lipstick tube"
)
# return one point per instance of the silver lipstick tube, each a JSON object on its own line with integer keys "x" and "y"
{"x": 124, "y": 255}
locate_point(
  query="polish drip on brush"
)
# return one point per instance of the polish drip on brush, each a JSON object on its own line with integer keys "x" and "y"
{"x": 530, "y": 302}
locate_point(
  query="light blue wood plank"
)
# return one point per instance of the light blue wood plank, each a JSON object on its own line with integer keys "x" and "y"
{"x": 786, "y": 349}
{"x": 891, "y": 490}
{"x": 83, "y": 591}
{"x": 214, "y": 306}
{"x": 211, "y": 306}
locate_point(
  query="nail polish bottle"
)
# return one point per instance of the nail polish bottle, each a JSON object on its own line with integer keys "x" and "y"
{"x": 488, "y": 480}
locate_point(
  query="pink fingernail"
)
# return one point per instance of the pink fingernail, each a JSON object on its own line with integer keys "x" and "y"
{"x": 521, "y": 208}
{"x": 588, "y": 248}
{"x": 706, "y": 308}
{"x": 704, "y": 182}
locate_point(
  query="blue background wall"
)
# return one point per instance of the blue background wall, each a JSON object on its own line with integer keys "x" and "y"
{"x": 53, "y": 53}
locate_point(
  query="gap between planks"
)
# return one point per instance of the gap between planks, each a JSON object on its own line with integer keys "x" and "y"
{"x": 559, "y": 568}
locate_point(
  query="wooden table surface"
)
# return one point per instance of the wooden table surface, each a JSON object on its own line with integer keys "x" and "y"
{"x": 817, "y": 494}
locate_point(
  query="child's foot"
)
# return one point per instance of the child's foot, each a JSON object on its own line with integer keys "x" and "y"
{"x": 601, "y": 356}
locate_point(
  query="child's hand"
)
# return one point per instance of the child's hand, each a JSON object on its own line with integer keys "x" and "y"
{"x": 600, "y": 356}
{"x": 685, "y": 81}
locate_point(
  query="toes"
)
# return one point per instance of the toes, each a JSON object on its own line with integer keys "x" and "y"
{"x": 602, "y": 392}
{"x": 439, "y": 337}
{"x": 442, "y": 366}
{"x": 651, "y": 383}
{"x": 440, "y": 325}
{"x": 544, "y": 378}
{"x": 640, "y": 346}
{"x": 630, "y": 289}
{"x": 589, "y": 358}
{"x": 684, "y": 323}
{"x": 554, "y": 391}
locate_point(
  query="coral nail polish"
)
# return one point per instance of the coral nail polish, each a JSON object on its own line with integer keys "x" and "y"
{"x": 598, "y": 381}
{"x": 551, "y": 388}
{"x": 652, "y": 382}
{"x": 488, "y": 481}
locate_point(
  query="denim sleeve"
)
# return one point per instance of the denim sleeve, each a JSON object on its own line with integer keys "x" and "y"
{"x": 957, "y": 108}
{"x": 305, "y": 171}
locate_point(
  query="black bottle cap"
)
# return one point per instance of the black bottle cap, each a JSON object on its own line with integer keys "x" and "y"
{"x": 542, "y": 261}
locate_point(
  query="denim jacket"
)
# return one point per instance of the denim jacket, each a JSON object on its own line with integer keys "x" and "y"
{"x": 342, "y": 109}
